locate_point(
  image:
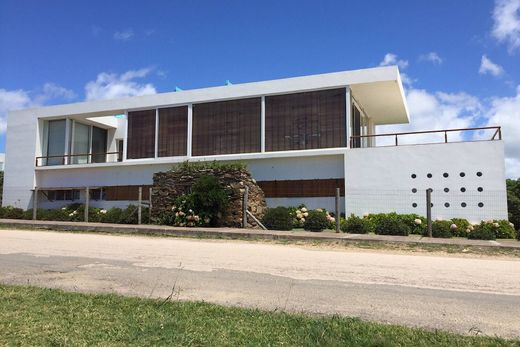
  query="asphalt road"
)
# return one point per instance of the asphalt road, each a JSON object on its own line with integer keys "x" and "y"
{"x": 462, "y": 294}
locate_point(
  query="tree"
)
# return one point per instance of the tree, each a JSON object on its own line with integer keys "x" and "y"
{"x": 513, "y": 201}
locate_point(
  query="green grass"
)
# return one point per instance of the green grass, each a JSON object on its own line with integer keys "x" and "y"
{"x": 47, "y": 317}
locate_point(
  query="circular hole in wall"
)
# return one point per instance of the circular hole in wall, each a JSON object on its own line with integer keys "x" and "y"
{"x": 480, "y": 204}
{"x": 414, "y": 190}
{"x": 447, "y": 204}
{"x": 429, "y": 175}
{"x": 480, "y": 189}
{"x": 431, "y": 204}
{"x": 463, "y": 204}
{"x": 462, "y": 189}
{"x": 446, "y": 190}
{"x": 445, "y": 175}
{"x": 462, "y": 174}
{"x": 414, "y": 175}
{"x": 414, "y": 205}
{"x": 479, "y": 174}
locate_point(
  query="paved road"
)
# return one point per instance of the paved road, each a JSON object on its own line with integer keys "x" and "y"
{"x": 462, "y": 294}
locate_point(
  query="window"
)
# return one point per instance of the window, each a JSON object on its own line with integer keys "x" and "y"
{"x": 62, "y": 195}
{"x": 56, "y": 142}
{"x": 227, "y": 127}
{"x": 97, "y": 194}
{"x": 99, "y": 145}
{"x": 81, "y": 143}
{"x": 305, "y": 120}
{"x": 141, "y": 134}
{"x": 173, "y": 131}
{"x": 120, "y": 147}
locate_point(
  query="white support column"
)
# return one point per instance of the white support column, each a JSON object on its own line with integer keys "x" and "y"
{"x": 68, "y": 142}
{"x": 190, "y": 129}
{"x": 125, "y": 139}
{"x": 156, "y": 150}
{"x": 262, "y": 126}
{"x": 348, "y": 115}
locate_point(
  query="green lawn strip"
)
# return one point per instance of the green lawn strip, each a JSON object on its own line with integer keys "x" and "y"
{"x": 48, "y": 317}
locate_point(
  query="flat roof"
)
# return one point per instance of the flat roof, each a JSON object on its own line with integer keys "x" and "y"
{"x": 379, "y": 90}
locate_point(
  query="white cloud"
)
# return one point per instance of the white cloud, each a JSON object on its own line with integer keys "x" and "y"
{"x": 113, "y": 86}
{"x": 505, "y": 112}
{"x": 487, "y": 66}
{"x": 506, "y": 26}
{"x": 124, "y": 35}
{"x": 11, "y": 100}
{"x": 432, "y": 57}
{"x": 391, "y": 59}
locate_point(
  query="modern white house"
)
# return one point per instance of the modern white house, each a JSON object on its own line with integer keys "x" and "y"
{"x": 301, "y": 137}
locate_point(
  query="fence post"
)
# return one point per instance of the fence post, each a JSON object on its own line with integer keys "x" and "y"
{"x": 87, "y": 200}
{"x": 429, "y": 210}
{"x": 337, "y": 210}
{"x": 35, "y": 203}
{"x": 150, "y": 206}
{"x": 244, "y": 207}
{"x": 139, "y": 208}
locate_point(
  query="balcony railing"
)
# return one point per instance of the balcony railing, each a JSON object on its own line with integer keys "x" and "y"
{"x": 83, "y": 158}
{"x": 357, "y": 141}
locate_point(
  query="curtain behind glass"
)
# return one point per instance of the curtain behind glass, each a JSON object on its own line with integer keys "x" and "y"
{"x": 99, "y": 145}
{"x": 81, "y": 143}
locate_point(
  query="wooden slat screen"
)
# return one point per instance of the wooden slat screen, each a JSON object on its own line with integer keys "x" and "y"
{"x": 226, "y": 127}
{"x": 173, "y": 131}
{"x": 125, "y": 193}
{"x": 305, "y": 120}
{"x": 141, "y": 134}
{"x": 302, "y": 188}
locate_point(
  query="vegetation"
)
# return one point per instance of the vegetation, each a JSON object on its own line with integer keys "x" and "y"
{"x": 316, "y": 221}
{"x": 210, "y": 199}
{"x": 513, "y": 202}
{"x": 278, "y": 218}
{"x": 190, "y": 167}
{"x": 483, "y": 231}
{"x": 356, "y": 225}
{"x": 48, "y": 317}
{"x": 442, "y": 228}
{"x": 389, "y": 224}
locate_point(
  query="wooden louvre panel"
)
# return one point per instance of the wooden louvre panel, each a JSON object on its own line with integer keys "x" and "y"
{"x": 226, "y": 127}
{"x": 302, "y": 188}
{"x": 141, "y": 134}
{"x": 307, "y": 120}
{"x": 125, "y": 193}
{"x": 173, "y": 131}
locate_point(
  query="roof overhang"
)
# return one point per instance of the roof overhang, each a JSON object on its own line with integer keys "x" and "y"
{"x": 379, "y": 90}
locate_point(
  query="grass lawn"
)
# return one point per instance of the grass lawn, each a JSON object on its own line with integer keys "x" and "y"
{"x": 33, "y": 316}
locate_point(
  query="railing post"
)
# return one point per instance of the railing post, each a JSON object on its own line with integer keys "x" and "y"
{"x": 87, "y": 201}
{"x": 139, "y": 205}
{"x": 445, "y": 136}
{"x": 500, "y": 133}
{"x": 244, "y": 207}
{"x": 429, "y": 210}
{"x": 337, "y": 210}
{"x": 396, "y": 143}
{"x": 35, "y": 203}
{"x": 150, "y": 205}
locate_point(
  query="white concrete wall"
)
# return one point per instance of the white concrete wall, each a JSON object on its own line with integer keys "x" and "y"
{"x": 380, "y": 180}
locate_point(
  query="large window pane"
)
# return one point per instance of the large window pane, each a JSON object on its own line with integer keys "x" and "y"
{"x": 141, "y": 134}
{"x": 227, "y": 127}
{"x": 99, "y": 145}
{"x": 173, "y": 131}
{"x": 81, "y": 143}
{"x": 56, "y": 141}
{"x": 305, "y": 120}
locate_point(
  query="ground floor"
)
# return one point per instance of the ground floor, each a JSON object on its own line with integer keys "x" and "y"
{"x": 370, "y": 284}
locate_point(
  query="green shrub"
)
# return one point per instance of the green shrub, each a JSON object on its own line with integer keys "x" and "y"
{"x": 442, "y": 228}
{"x": 278, "y": 218}
{"x": 505, "y": 229}
{"x": 356, "y": 225}
{"x": 9, "y": 212}
{"x": 463, "y": 227}
{"x": 483, "y": 231}
{"x": 316, "y": 221}
{"x": 416, "y": 223}
{"x": 210, "y": 198}
{"x": 298, "y": 214}
{"x": 389, "y": 224}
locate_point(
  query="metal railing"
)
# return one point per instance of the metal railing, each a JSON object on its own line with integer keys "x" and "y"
{"x": 355, "y": 140}
{"x": 83, "y": 158}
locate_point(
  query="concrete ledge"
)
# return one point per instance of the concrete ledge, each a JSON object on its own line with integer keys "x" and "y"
{"x": 235, "y": 233}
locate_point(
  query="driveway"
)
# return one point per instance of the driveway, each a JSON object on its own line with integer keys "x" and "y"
{"x": 457, "y": 293}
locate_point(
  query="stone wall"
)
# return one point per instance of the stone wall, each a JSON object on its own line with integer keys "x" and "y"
{"x": 167, "y": 186}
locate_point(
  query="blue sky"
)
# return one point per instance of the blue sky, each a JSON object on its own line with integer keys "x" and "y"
{"x": 460, "y": 59}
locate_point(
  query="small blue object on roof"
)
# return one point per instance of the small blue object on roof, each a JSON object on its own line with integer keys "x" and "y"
{"x": 177, "y": 89}
{"x": 120, "y": 116}
{"x": 228, "y": 83}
